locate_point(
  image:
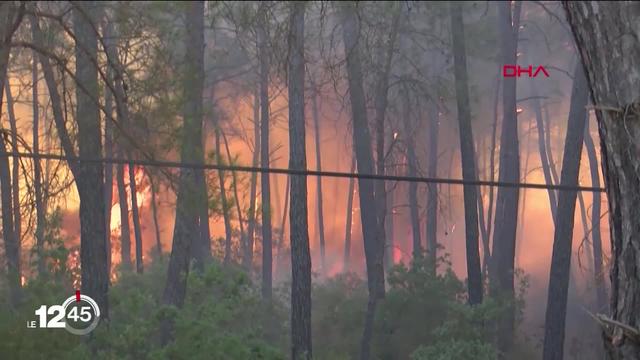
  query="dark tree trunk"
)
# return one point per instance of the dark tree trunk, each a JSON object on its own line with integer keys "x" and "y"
{"x": 596, "y": 237}
{"x": 492, "y": 173}
{"x": 412, "y": 170}
{"x": 504, "y": 240}
{"x": 542, "y": 148}
{"x": 223, "y": 200}
{"x": 90, "y": 178}
{"x": 467, "y": 151}
{"x": 432, "y": 189}
{"x": 247, "y": 258}
{"x": 373, "y": 248}
{"x": 10, "y": 239}
{"x": 15, "y": 168}
{"x": 108, "y": 153}
{"x": 300, "y": 255}
{"x": 388, "y": 228}
{"x": 267, "y": 258}
{"x": 186, "y": 223}
{"x": 154, "y": 210}
{"x": 563, "y": 234}
{"x": 135, "y": 213}
{"x": 37, "y": 172}
{"x": 605, "y": 35}
{"x": 316, "y": 126}
{"x": 125, "y": 232}
{"x": 348, "y": 225}
{"x": 234, "y": 185}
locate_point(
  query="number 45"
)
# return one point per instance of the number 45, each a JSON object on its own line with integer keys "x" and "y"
{"x": 84, "y": 316}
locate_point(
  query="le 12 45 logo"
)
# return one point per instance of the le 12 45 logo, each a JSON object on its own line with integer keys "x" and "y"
{"x": 78, "y": 314}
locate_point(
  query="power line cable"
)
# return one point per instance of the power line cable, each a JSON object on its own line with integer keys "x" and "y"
{"x": 286, "y": 171}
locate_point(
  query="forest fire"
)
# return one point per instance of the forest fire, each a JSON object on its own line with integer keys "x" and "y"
{"x": 380, "y": 180}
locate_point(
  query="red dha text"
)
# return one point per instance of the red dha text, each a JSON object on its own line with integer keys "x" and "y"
{"x": 518, "y": 71}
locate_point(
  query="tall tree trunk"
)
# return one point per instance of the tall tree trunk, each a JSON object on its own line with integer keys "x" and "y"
{"x": 388, "y": 228}
{"x": 108, "y": 167}
{"x": 316, "y": 126}
{"x": 300, "y": 255}
{"x": 504, "y": 241}
{"x": 543, "y": 149}
{"x": 125, "y": 232}
{"x": 90, "y": 179}
{"x": 154, "y": 210}
{"x": 432, "y": 189}
{"x": 234, "y": 185}
{"x": 267, "y": 258}
{"x": 492, "y": 172}
{"x": 596, "y": 237}
{"x": 362, "y": 142}
{"x": 247, "y": 259}
{"x": 285, "y": 212}
{"x": 563, "y": 233}
{"x": 346, "y": 267}
{"x": 15, "y": 167}
{"x": 186, "y": 220}
{"x": 37, "y": 171}
{"x": 380, "y": 104}
{"x": 10, "y": 239}
{"x": 412, "y": 170}
{"x": 467, "y": 151}
{"x": 135, "y": 213}
{"x": 604, "y": 34}
{"x": 223, "y": 199}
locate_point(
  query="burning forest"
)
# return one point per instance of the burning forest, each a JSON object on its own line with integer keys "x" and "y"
{"x": 328, "y": 180}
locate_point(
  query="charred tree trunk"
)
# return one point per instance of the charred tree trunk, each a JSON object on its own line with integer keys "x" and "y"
{"x": 604, "y": 34}
{"x": 504, "y": 240}
{"x": 432, "y": 189}
{"x": 135, "y": 213}
{"x": 154, "y": 209}
{"x": 316, "y": 125}
{"x": 15, "y": 167}
{"x": 267, "y": 258}
{"x": 362, "y": 142}
{"x": 186, "y": 223}
{"x": 467, "y": 151}
{"x": 596, "y": 237}
{"x": 234, "y": 185}
{"x": 223, "y": 200}
{"x": 247, "y": 258}
{"x": 108, "y": 153}
{"x": 90, "y": 178}
{"x": 492, "y": 173}
{"x": 346, "y": 267}
{"x": 412, "y": 170}
{"x": 10, "y": 239}
{"x": 563, "y": 233}
{"x": 300, "y": 255}
{"x": 125, "y": 232}
{"x": 37, "y": 172}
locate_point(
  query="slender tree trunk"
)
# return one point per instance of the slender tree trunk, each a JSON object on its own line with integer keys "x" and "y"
{"x": 300, "y": 255}
{"x": 267, "y": 259}
{"x": 37, "y": 171}
{"x": 186, "y": 223}
{"x": 251, "y": 222}
{"x": 234, "y": 185}
{"x": 285, "y": 212}
{"x": 108, "y": 167}
{"x": 316, "y": 125}
{"x": 596, "y": 237}
{"x": 90, "y": 179}
{"x": 467, "y": 151}
{"x": 135, "y": 213}
{"x": 389, "y": 246}
{"x": 504, "y": 241}
{"x": 362, "y": 142}
{"x": 432, "y": 189}
{"x": 10, "y": 239}
{"x": 346, "y": 267}
{"x": 15, "y": 167}
{"x": 223, "y": 199}
{"x": 563, "y": 234}
{"x": 609, "y": 28}
{"x": 125, "y": 232}
{"x": 412, "y": 170}
{"x": 492, "y": 173}
{"x": 542, "y": 148}
{"x": 154, "y": 210}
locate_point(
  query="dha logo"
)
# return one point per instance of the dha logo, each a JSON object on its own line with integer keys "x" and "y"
{"x": 517, "y": 71}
